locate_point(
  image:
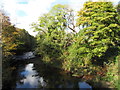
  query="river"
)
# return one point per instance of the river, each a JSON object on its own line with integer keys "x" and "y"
{"x": 33, "y": 73}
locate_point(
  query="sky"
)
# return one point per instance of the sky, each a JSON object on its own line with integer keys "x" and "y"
{"x": 23, "y": 13}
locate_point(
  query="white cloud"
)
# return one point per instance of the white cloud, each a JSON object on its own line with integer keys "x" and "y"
{"x": 33, "y": 9}
{"x": 76, "y": 4}
{"x": 1, "y": 4}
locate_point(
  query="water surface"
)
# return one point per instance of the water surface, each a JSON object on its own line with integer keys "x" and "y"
{"x": 35, "y": 74}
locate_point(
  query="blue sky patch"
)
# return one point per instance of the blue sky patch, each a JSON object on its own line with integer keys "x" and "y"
{"x": 22, "y": 2}
{"x": 21, "y": 13}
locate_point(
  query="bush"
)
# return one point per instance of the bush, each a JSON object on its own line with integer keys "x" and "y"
{"x": 112, "y": 74}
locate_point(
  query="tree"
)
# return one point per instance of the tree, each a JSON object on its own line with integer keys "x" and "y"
{"x": 52, "y": 40}
{"x": 25, "y": 41}
{"x": 51, "y": 32}
{"x": 14, "y": 40}
{"x": 100, "y": 34}
{"x": 101, "y": 30}
{"x": 60, "y": 15}
{"x": 66, "y": 16}
{"x": 9, "y": 34}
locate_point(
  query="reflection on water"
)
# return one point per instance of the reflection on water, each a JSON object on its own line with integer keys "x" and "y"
{"x": 30, "y": 80}
{"x": 83, "y": 85}
{"x": 38, "y": 75}
{"x": 46, "y": 78}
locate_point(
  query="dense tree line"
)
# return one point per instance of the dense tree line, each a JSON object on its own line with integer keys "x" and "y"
{"x": 85, "y": 52}
{"x": 14, "y": 40}
{"x": 26, "y": 42}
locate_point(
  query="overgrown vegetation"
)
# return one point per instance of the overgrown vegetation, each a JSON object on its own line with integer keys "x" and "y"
{"x": 100, "y": 34}
{"x": 112, "y": 74}
{"x": 52, "y": 38}
{"x": 93, "y": 51}
{"x": 83, "y": 53}
{"x": 14, "y": 40}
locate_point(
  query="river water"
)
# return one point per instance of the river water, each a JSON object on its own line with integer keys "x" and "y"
{"x": 31, "y": 74}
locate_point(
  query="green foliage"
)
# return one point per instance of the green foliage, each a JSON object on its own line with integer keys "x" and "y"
{"x": 9, "y": 34}
{"x": 99, "y": 34}
{"x": 112, "y": 74}
{"x": 98, "y": 39}
{"x": 25, "y": 41}
{"x": 51, "y": 38}
{"x": 14, "y": 40}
